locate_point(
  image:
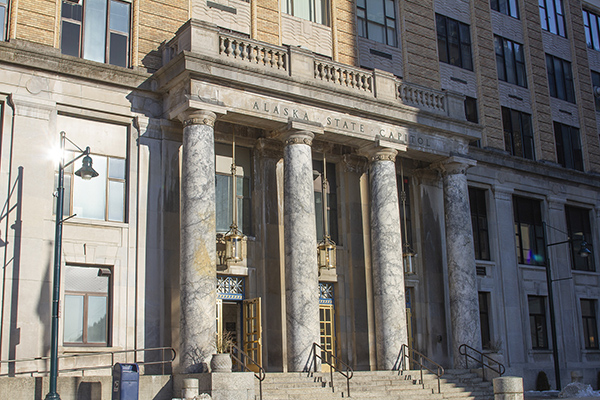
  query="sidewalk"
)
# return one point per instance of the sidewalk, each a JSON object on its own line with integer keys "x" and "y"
{"x": 553, "y": 394}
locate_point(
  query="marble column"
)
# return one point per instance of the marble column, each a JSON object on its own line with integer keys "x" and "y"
{"x": 386, "y": 258}
{"x": 198, "y": 268}
{"x": 462, "y": 278}
{"x": 301, "y": 271}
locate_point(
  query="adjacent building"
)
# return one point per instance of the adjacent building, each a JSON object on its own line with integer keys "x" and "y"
{"x": 449, "y": 149}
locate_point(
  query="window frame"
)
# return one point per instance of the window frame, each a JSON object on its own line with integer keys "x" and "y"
{"x": 287, "y": 7}
{"x": 553, "y": 22}
{"x": 591, "y": 25}
{"x": 109, "y": 31}
{"x": 479, "y": 223}
{"x": 5, "y": 4}
{"x": 532, "y": 209}
{"x": 560, "y": 78}
{"x": 506, "y": 7}
{"x": 507, "y": 61}
{"x": 462, "y": 44}
{"x": 534, "y": 319}
{"x": 569, "y": 152}
{"x": 590, "y": 325}
{"x": 578, "y": 223}
{"x": 512, "y": 119}
{"x": 364, "y": 21}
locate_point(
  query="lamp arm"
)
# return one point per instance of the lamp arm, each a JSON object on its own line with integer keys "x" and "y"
{"x": 85, "y": 152}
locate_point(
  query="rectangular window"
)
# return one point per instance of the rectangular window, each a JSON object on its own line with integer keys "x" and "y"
{"x": 537, "y": 322}
{"x": 590, "y": 323}
{"x": 86, "y": 306}
{"x": 484, "y": 320}
{"x": 591, "y": 23}
{"x": 529, "y": 232}
{"x": 579, "y": 227}
{"x": 479, "y": 222}
{"x": 510, "y": 61}
{"x": 377, "y": 21}
{"x": 331, "y": 200}
{"x": 552, "y": 16}
{"x": 406, "y": 186}
{"x": 224, "y": 193}
{"x": 596, "y": 88}
{"x": 454, "y": 42}
{"x": 96, "y": 30}
{"x": 518, "y": 133}
{"x": 508, "y": 7}
{"x": 560, "y": 78}
{"x": 471, "y": 109}
{"x": 103, "y": 197}
{"x": 568, "y": 146}
{"x": 311, "y": 10}
{"x": 4, "y": 19}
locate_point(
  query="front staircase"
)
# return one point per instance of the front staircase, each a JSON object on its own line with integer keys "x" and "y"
{"x": 384, "y": 385}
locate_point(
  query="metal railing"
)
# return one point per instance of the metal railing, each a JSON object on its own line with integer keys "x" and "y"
{"x": 114, "y": 357}
{"x": 243, "y": 362}
{"x": 407, "y": 353}
{"x": 463, "y": 351}
{"x": 348, "y": 373}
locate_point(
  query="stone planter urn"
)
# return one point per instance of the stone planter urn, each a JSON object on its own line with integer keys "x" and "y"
{"x": 220, "y": 362}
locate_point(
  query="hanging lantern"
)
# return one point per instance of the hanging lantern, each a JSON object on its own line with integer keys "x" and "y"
{"x": 408, "y": 256}
{"x": 409, "y": 259}
{"x": 326, "y": 247}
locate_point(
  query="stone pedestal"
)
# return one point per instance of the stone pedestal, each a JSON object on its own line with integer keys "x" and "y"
{"x": 462, "y": 278}
{"x": 301, "y": 271}
{"x": 198, "y": 271}
{"x": 508, "y": 388}
{"x": 219, "y": 385}
{"x": 386, "y": 257}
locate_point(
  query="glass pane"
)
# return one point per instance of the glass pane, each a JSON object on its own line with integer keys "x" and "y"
{"x": 594, "y": 32}
{"x": 73, "y": 325}
{"x": 94, "y": 36}
{"x": 509, "y": 55}
{"x": 116, "y": 168}
{"x": 89, "y": 197}
{"x": 96, "y": 323}
{"x": 302, "y": 9}
{"x": 514, "y": 9}
{"x": 3, "y": 22}
{"x": 543, "y": 20}
{"x": 118, "y": 54}
{"x": 119, "y": 17}
{"x": 376, "y": 32}
{"x": 375, "y": 11}
{"x": 84, "y": 279}
{"x": 116, "y": 201}
{"x": 70, "y": 36}
{"x": 223, "y": 202}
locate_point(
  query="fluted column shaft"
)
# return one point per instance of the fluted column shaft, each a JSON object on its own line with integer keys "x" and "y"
{"x": 198, "y": 271}
{"x": 388, "y": 271}
{"x": 462, "y": 278}
{"x": 301, "y": 271}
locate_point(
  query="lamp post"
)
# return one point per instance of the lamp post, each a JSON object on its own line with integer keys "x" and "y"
{"x": 85, "y": 172}
{"x": 583, "y": 252}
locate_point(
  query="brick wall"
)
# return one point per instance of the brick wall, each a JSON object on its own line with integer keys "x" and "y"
{"x": 36, "y": 20}
{"x": 268, "y": 21}
{"x": 346, "y": 32}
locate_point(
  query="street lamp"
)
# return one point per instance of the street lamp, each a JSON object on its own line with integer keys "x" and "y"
{"x": 584, "y": 251}
{"x": 85, "y": 172}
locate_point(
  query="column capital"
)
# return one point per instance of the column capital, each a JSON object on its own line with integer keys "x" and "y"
{"x": 198, "y": 117}
{"x": 455, "y": 165}
{"x": 375, "y": 152}
{"x": 503, "y": 192}
{"x": 556, "y": 203}
{"x": 298, "y": 132}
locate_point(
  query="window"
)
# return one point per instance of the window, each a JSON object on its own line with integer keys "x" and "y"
{"x": 409, "y": 237}
{"x": 590, "y": 324}
{"x": 224, "y": 194}
{"x": 518, "y": 134}
{"x": 86, "y": 305}
{"x": 552, "y": 17}
{"x": 484, "y": 320}
{"x": 4, "y": 18}
{"x": 591, "y": 24}
{"x": 529, "y": 232}
{"x": 479, "y": 223}
{"x": 510, "y": 61}
{"x": 331, "y": 200}
{"x": 377, "y": 20}
{"x": 508, "y": 7}
{"x": 537, "y": 322}
{"x": 568, "y": 146}
{"x": 101, "y": 198}
{"x": 471, "y": 109}
{"x": 312, "y": 10}
{"x": 595, "y": 87}
{"x": 579, "y": 227}
{"x": 560, "y": 78}
{"x": 454, "y": 42}
{"x": 96, "y": 30}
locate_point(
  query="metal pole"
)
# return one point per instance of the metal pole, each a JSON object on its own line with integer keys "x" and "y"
{"x": 52, "y": 394}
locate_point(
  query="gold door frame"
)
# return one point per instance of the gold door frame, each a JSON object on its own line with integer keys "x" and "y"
{"x": 252, "y": 331}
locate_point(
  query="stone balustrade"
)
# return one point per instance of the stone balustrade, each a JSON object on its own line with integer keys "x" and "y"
{"x": 344, "y": 75}
{"x": 253, "y": 52}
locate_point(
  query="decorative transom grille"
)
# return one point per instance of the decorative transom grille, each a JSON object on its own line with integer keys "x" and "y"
{"x": 230, "y": 288}
{"x": 325, "y": 293}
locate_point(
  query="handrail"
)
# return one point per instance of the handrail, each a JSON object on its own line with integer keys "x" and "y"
{"x": 260, "y": 375}
{"x": 94, "y": 354}
{"x": 411, "y": 358}
{"x": 348, "y": 373}
{"x": 462, "y": 349}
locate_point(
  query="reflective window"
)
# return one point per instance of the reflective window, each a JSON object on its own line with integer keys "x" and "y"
{"x": 560, "y": 78}
{"x": 312, "y": 10}
{"x": 552, "y": 16}
{"x": 510, "y": 61}
{"x": 591, "y": 24}
{"x": 518, "y": 133}
{"x": 454, "y": 42}
{"x": 4, "y": 19}
{"x": 508, "y": 7}
{"x": 579, "y": 228}
{"x": 377, "y": 21}
{"x": 529, "y": 233}
{"x": 537, "y": 322}
{"x": 479, "y": 222}
{"x": 590, "y": 323}
{"x": 568, "y": 146}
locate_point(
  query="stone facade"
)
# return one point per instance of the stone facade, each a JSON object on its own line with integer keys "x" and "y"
{"x": 292, "y": 92}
